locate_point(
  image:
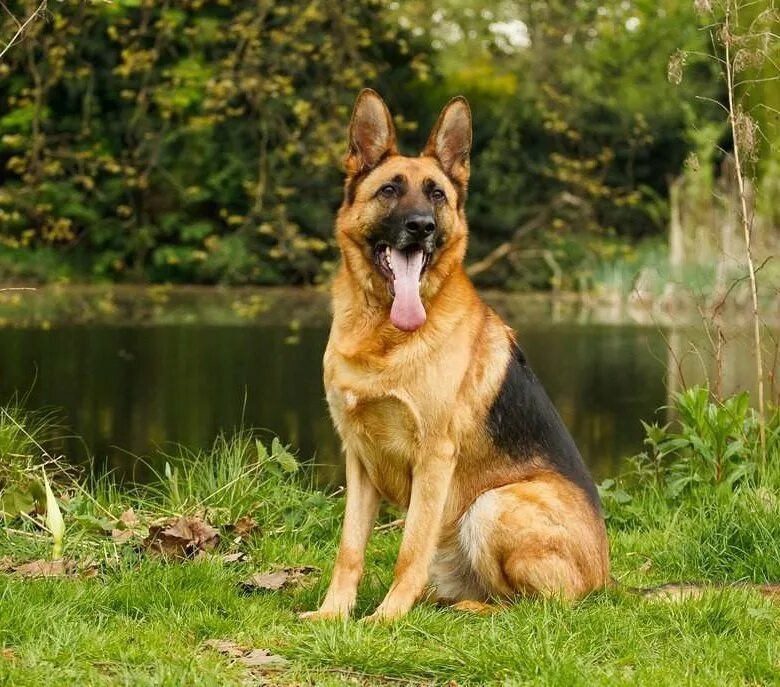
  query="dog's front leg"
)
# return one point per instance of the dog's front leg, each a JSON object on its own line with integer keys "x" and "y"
{"x": 359, "y": 516}
{"x": 431, "y": 479}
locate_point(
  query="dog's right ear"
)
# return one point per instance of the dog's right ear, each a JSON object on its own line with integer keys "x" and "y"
{"x": 371, "y": 133}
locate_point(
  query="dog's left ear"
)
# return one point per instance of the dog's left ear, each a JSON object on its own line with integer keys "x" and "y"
{"x": 450, "y": 140}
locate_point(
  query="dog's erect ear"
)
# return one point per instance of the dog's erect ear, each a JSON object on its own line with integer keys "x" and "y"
{"x": 450, "y": 140}
{"x": 371, "y": 133}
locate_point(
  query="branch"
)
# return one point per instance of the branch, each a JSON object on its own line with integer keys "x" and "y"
{"x": 15, "y": 38}
{"x": 506, "y": 248}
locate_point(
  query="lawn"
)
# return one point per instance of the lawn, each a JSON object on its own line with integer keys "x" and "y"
{"x": 136, "y": 618}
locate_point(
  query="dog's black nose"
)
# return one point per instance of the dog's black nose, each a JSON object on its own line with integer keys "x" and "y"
{"x": 420, "y": 225}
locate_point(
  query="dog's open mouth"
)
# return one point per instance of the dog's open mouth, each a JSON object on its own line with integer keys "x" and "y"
{"x": 403, "y": 270}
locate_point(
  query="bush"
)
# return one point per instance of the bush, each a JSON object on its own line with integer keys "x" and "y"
{"x": 712, "y": 450}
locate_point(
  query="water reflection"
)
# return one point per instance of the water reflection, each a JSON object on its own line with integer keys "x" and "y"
{"x": 128, "y": 389}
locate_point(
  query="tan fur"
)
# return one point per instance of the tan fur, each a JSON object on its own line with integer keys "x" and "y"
{"x": 411, "y": 411}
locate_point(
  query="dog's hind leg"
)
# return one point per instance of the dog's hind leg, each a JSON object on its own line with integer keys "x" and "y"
{"x": 539, "y": 537}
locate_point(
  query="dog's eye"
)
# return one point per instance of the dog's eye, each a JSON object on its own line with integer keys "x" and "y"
{"x": 437, "y": 194}
{"x": 388, "y": 191}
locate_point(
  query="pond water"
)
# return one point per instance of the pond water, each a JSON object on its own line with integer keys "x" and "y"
{"x": 124, "y": 390}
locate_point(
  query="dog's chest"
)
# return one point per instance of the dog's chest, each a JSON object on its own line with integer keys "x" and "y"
{"x": 383, "y": 432}
{"x": 385, "y": 426}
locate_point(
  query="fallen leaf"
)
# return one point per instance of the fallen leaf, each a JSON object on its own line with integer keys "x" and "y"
{"x": 61, "y": 567}
{"x": 277, "y": 579}
{"x": 646, "y": 565}
{"x": 272, "y": 580}
{"x": 126, "y": 527}
{"x": 236, "y": 557}
{"x": 44, "y": 568}
{"x": 262, "y": 658}
{"x": 251, "y": 658}
{"x": 129, "y": 519}
{"x": 89, "y": 568}
{"x": 121, "y": 536}
{"x": 244, "y": 525}
{"x": 8, "y": 653}
{"x": 224, "y": 646}
{"x": 181, "y": 537}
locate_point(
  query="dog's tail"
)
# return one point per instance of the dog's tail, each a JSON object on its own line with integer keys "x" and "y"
{"x": 683, "y": 591}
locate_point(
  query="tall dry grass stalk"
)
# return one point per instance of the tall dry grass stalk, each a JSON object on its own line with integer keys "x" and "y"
{"x": 739, "y": 49}
{"x": 742, "y": 132}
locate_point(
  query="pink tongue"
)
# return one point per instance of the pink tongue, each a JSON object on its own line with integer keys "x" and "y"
{"x": 407, "y": 312}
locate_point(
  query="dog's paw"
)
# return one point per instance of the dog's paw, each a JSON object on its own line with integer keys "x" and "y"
{"x": 383, "y": 616}
{"x": 373, "y": 619}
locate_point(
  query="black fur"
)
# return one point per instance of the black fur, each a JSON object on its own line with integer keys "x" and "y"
{"x": 524, "y": 423}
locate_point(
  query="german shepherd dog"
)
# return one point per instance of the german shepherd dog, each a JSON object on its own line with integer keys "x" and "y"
{"x": 437, "y": 407}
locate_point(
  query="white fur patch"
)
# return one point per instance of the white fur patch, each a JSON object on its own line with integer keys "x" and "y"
{"x": 455, "y": 571}
{"x": 476, "y": 524}
{"x": 350, "y": 400}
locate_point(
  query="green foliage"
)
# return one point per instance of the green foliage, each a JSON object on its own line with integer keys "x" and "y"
{"x": 579, "y": 126}
{"x": 200, "y": 141}
{"x": 21, "y": 437}
{"x": 717, "y": 442}
{"x": 194, "y": 141}
{"x": 235, "y": 477}
{"x": 713, "y": 447}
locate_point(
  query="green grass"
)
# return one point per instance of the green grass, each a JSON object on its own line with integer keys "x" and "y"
{"x": 142, "y": 621}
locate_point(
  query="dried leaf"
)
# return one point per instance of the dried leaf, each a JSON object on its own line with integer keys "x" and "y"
{"x": 43, "y": 568}
{"x": 129, "y": 519}
{"x": 236, "y": 557}
{"x": 225, "y": 646}
{"x": 646, "y": 565}
{"x": 61, "y": 567}
{"x": 262, "y": 658}
{"x": 8, "y": 653}
{"x": 244, "y": 525}
{"x": 251, "y": 658}
{"x": 277, "y": 579}
{"x": 181, "y": 537}
{"x": 121, "y": 536}
{"x": 273, "y": 581}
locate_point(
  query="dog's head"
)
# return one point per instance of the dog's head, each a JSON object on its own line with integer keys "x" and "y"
{"x": 402, "y": 226}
